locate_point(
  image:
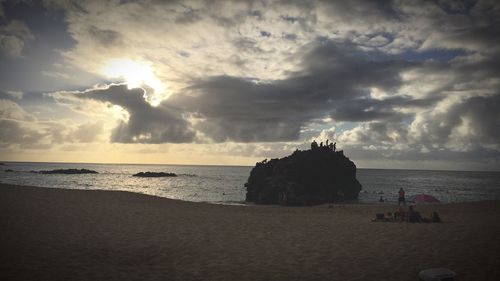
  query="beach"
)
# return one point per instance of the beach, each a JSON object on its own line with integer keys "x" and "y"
{"x": 59, "y": 234}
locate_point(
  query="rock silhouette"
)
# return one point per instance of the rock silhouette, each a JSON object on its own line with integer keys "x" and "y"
{"x": 310, "y": 177}
{"x": 67, "y": 171}
{"x": 154, "y": 174}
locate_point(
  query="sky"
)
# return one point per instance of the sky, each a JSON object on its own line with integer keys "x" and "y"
{"x": 396, "y": 84}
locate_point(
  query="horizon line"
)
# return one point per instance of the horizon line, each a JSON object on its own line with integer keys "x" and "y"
{"x": 224, "y": 165}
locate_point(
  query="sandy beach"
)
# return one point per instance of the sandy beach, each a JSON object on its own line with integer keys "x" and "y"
{"x": 56, "y": 234}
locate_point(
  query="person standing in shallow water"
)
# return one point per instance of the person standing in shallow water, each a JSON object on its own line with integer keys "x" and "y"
{"x": 401, "y": 198}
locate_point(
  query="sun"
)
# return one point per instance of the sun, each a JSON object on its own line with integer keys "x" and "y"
{"x": 137, "y": 74}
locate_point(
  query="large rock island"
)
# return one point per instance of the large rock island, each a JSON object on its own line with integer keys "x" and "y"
{"x": 316, "y": 176}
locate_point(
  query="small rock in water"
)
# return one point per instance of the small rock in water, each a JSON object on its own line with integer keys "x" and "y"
{"x": 154, "y": 174}
{"x": 68, "y": 171}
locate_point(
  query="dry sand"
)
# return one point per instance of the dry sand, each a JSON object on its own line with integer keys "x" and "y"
{"x": 55, "y": 234}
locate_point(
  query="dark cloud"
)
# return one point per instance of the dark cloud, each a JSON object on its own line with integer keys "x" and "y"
{"x": 334, "y": 82}
{"x": 105, "y": 37}
{"x": 247, "y": 44}
{"x": 479, "y": 158}
{"x": 377, "y": 11}
{"x": 289, "y": 18}
{"x": 458, "y": 130}
{"x": 257, "y": 14}
{"x": 188, "y": 17}
{"x": 484, "y": 116}
{"x": 146, "y": 124}
{"x": 15, "y": 132}
{"x": 289, "y": 36}
{"x": 241, "y": 110}
{"x": 184, "y": 54}
{"x": 265, "y": 33}
{"x": 366, "y": 109}
{"x": 469, "y": 122}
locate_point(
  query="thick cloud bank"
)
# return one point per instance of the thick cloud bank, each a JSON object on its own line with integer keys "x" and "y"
{"x": 335, "y": 81}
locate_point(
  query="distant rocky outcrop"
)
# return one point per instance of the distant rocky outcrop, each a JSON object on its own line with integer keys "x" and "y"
{"x": 67, "y": 171}
{"x": 310, "y": 177}
{"x": 154, "y": 174}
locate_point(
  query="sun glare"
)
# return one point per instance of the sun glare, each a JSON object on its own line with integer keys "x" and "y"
{"x": 137, "y": 74}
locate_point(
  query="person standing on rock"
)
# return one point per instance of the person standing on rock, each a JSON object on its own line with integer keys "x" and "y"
{"x": 401, "y": 198}
{"x": 314, "y": 145}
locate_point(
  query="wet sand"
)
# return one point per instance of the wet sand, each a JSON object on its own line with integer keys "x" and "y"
{"x": 56, "y": 234}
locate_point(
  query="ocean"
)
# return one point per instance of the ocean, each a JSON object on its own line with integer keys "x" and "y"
{"x": 225, "y": 184}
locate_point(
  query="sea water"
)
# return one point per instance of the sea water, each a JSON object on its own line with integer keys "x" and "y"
{"x": 225, "y": 184}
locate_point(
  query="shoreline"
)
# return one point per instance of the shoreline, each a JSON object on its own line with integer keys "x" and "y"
{"x": 52, "y": 233}
{"x": 392, "y": 203}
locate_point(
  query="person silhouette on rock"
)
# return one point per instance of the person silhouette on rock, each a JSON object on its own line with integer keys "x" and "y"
{"x": 314, "y": 145}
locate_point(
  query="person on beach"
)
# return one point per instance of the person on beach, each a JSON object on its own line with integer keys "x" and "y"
{"x": 435, "y": 217}
{"x": 401, "y": 196}
{"x": 390, "y": 217}
{"x": 413, "y": 216}
{"x": 340, "y": 196}
{"x": 399, "y": 215}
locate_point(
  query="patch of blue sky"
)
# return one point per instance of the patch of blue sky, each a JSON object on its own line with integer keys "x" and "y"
{"x": 48, "y": 25}
{"x": 441, "y": 55}
{"x": 38, "y": 69}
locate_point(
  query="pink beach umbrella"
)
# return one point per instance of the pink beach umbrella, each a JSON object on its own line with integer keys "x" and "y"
{"x": 424, "y": 198}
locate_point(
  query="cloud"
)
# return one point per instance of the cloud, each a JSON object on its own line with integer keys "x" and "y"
{"x": 13, "y": 36}
{"x": 396, "y": 79}
{"x": 105, "y": 37}
{"x": 87, "y": 132}
{"x": 20, "y": 128}
{"x": 472, "y": 27}
{"x": 18, "y": 133}
{"x": 335, "y": 81}
{"x": 145, "y": 123}
{"x": 456, "y": 128}
{"x": 459, "y": 124}
{"x": 11, "y": 110}
{"x": 16, "y": 94}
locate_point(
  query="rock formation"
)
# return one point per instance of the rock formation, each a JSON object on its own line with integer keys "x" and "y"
{"x": 154, "y": 174}
{"x": 310, "y": 177}
{"x": 67, "y": 171}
